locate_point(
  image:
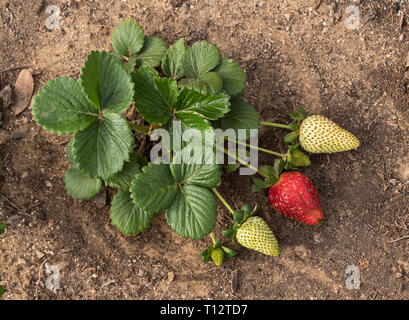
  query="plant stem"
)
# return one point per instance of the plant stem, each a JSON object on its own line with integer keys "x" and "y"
{"x": 281, "y": 155}
{"x": 223, "y": 200}
{"x": 213, "y": 238}
{"x": 276, "y": 125}
{"x": 141, "y": 129}
{"x": 261, "y": 173}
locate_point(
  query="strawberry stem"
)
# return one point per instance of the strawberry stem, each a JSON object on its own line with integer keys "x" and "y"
{"x": 261, "y": 173}
{"x": 223, "y": 200}
{"x": 213, "y": 238}
{"x": 276, "y": 125}
{"x": 277, "y": 154}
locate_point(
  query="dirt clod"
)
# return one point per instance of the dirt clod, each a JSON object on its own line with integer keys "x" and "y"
{"x": 7, "y": 96}
{"x": 101, "y": 199}
{"x": 17, "y": 134}
{"x": 171, "y": 277}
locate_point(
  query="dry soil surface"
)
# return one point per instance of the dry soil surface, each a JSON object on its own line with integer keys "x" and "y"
{"x": 295, "y": 53}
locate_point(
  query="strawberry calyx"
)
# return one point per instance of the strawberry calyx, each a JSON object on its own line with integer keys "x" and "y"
{"x": 297, "y": 117}
{"x": 271, "y": 174}
{"x": 217, "y": 253}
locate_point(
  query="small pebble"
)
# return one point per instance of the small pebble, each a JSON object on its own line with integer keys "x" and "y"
{"x": 101, "y": 199}
{"x": 171, "y": 277}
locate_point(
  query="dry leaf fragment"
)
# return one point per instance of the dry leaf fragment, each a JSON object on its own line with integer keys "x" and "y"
{"x": 23, "y": 90}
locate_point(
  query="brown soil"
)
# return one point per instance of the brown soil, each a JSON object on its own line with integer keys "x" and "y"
{"x": 294, "y": 54}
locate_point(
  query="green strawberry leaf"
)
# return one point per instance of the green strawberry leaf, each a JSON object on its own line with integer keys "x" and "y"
{"x": 152, "y": 52}
{"x": 155, "y": 188}
{"x": 157, "y": 98}
{"x": 184, "y": 191}
{"x": 127, "y": 38}
{"x": 2, "y": 227}
{"x": 200, "y": 58}
{"x": 234, "y": 77}
{"x": 70, "y": 155}
{"x": 126, "y": 216}
{"x": 204, "y": 175}
{"x": 81, "y": 186}
{"x": 106, "y": 84}
{"x": 191, "y": 119}
{"x": 154, "y": 97}
{"x": 241, "y": 116}
{"x": 211, "y": 107}
{"x": 193, "y": 212}
{"x": 61, "y": 107}
{"x": 172, "y": 62}
{"x": 101, "y": 149}
{"x": 207, "y": 83}
{"x": 122, "y": 180}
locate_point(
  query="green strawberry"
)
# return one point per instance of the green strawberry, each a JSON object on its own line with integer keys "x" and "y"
{"x": 217, "y": 256}
{"x": 255, "y": 234}
{"x": 299, "y": 159}
{"x": 318, "y": 134}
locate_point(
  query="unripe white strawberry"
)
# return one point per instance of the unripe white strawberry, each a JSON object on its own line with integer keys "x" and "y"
{"x": 318, "y": 134}
{"x": 255, "y": 234}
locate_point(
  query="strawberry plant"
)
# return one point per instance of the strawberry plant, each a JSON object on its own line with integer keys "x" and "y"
{"x": 177, "y": 89}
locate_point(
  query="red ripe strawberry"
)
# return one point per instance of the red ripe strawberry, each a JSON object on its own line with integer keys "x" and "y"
{"x": 295, "y": 196}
